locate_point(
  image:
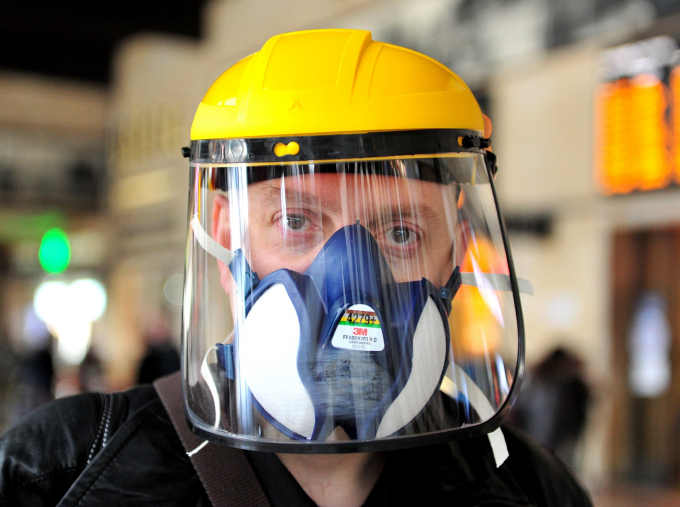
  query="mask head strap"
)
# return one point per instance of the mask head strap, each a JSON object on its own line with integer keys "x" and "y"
{"x": 246, "y": 278}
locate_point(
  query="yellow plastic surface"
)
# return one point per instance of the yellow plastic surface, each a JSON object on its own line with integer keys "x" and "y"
{"x": 331, "y": 82}
{"x": 291, "y": 148}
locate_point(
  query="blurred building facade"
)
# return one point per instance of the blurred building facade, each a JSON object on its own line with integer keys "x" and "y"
{"x": 52, "y": 174}
{"x": 535, "y": 67}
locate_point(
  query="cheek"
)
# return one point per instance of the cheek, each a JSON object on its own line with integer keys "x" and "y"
{"x": 444, "y": 269}
{"x": 265, "y": 261}
{"x": 262, "y": 261}
{"x": 439, "y": 262}
{"x": 267, "y": 253}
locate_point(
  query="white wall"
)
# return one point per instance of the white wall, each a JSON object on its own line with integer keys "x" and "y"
{"x": 542, "y": 117}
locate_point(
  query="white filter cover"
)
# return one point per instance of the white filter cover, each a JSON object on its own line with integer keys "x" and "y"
{"x": 268, "y": 348}
{"x": 429, "y": 356}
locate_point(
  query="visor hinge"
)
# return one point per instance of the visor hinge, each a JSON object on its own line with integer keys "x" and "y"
{"x": 475, "y": 142}
{"x": 491, "y": 163}
{"x": 448, "y": 292}
{"x": 186, "y": 151}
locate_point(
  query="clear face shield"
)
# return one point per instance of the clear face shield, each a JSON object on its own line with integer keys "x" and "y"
{"x": 350, "y": 305}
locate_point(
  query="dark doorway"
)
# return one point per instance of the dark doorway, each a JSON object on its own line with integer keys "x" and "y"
{"x": 646, "y": 356}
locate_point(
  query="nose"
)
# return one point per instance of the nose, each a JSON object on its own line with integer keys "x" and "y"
{"x": 350, "y": 262}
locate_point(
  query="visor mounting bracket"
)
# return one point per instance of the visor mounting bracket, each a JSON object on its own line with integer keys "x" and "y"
{"x": 449, "y": 290}
{"x": 491, "y": 163}
{"x": 474, "y": 142}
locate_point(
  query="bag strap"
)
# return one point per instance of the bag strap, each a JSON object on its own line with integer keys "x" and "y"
{"x": 225, "y": 473}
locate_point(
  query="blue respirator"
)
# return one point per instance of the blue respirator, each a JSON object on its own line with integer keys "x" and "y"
{"x": 342, "y": 345}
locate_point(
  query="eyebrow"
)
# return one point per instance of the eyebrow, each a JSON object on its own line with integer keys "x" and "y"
{"x": 397, "y": 212}
{"x": 408, "y": 210}
{"x": 272, "y": 198}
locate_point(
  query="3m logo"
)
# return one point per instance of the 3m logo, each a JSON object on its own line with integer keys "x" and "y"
{"x": 359, "y": 330}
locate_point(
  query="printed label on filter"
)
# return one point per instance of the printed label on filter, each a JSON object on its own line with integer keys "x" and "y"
{"x": 359, "y": 329}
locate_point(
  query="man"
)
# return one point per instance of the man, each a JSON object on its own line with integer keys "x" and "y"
{"x": 352, "y": 331}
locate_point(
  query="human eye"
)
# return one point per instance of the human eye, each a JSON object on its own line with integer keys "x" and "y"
{"x": 295, "y": 222}
{"x": 400, "y": 238}
{"x": 401, "y": 235}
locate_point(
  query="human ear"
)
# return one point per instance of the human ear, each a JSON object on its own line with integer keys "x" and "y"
{"x": 221, "y": 233}
{"x": 219, "y": 227}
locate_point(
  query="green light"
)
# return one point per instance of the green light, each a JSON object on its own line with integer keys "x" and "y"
{"x": 55, "y": 251}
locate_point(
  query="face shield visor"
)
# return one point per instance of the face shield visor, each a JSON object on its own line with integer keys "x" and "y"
{"x": 347, "y": 304}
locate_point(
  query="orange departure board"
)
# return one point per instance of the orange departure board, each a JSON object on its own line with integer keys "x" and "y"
{"x": 632, "y": 136}
{"x": 675, "y": 121}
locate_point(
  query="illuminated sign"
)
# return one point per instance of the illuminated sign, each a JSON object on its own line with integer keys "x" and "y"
{"x": 675, "y": 116}
{"x": 55, "y": 251}
{"x": 636, "y": 119}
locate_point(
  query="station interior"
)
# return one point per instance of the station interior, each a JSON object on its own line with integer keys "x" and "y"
{"x": 584, "y": 97}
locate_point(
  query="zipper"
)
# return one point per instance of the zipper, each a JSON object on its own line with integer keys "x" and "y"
{"x": 103, "y": 429}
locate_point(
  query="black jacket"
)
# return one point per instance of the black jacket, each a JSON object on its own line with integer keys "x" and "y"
{"x": 121, "y": 449}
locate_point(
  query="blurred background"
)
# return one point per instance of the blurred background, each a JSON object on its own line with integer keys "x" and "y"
{"x": 97, "y": 99}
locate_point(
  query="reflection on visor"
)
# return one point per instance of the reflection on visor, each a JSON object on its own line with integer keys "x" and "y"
{"x": 355, "y": 290}
{"x": 466, "y": 169}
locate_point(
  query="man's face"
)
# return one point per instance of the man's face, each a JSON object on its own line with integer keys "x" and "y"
{"x": 290, "y": 219}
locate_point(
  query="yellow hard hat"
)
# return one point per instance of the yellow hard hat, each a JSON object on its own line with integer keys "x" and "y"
{"x": 334, "y": 81}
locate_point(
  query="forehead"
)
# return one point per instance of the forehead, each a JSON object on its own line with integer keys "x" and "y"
{"x": 349, "y": 189}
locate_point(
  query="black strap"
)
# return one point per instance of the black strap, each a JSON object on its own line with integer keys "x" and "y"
{"x": 225, "y": 473}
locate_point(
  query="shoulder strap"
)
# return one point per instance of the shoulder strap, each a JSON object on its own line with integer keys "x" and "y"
{"x": 225, "y": 472}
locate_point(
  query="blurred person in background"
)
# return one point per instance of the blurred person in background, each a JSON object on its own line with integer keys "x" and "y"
{"x": 553, "y": 404}
{"x": 91, "y": 373}
{"x": 35, "y": 379}
{"x": 8, "y": 373}
{"x": 337, "y": 186}
{"x": 161, "y": 358}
